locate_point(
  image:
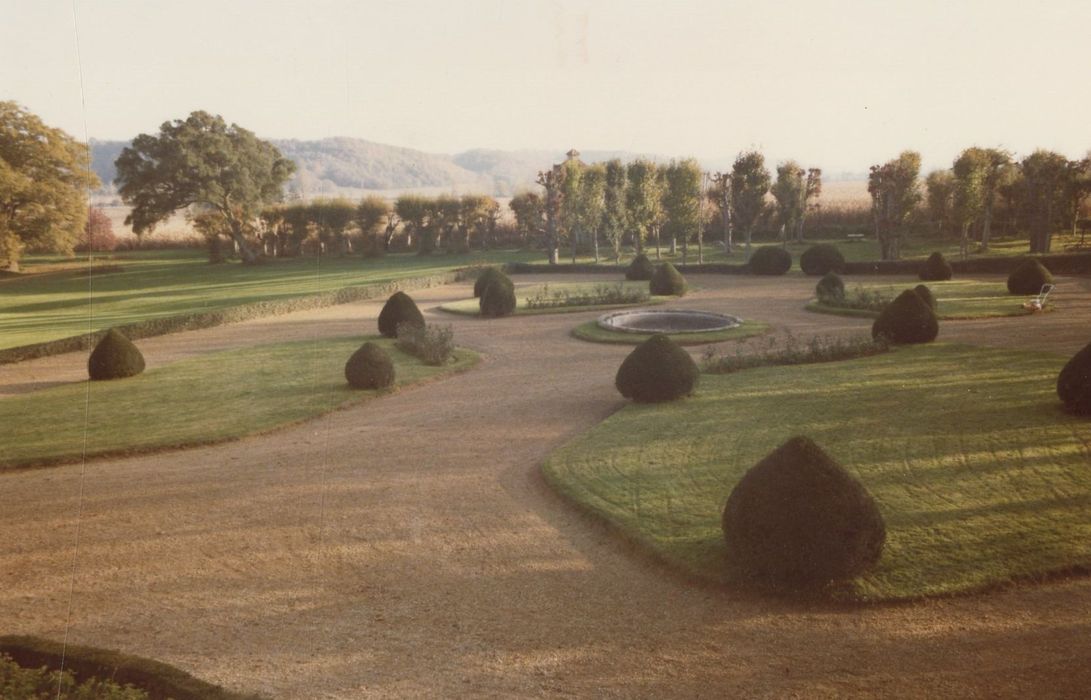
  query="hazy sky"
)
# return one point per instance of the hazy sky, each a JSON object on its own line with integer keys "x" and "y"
{"x": 837, "y": 84}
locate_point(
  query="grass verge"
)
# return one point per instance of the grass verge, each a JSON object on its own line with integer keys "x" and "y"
{"x": 981, "y": 477}
{"x": 592, "y": 332}
{"x": 212, "y": 398}
{"x": 955, "y": 300}
{"x": 472, "y": 307}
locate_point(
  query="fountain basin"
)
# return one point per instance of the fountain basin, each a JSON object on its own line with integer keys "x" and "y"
{"x": 672, "y": 321}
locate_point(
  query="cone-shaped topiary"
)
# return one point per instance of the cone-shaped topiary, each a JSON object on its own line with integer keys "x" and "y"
{"x": 935, "y": 268}
{"x": 770, "y": 260}
{"x": 926, "y": 296}
{"x": 657, "y": 370}
{"x": 488, "y": 275}
{"x": 830, "y": 289}
{"x": 498, "y": 299}
{"x": 1074, "y": 383}
{"x": 399, "y": 308}
{"x": 907, "y": 319}
{"x": 640, "y": 269}
{"x": 370, "y": 367}
{"x": 798, "y": 519}
{"x": 821, "y": 259}
{"x": 1028, "y": 277}
{"x": 667, "y": 281}
{"x": 115, "y": 357}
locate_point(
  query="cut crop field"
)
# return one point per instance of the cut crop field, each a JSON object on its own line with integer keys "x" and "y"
{"x": 207, "y": 399}
{"x": 981, "y": 477}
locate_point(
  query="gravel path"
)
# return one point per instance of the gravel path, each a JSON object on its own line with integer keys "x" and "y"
{"x": 408, "y": 547}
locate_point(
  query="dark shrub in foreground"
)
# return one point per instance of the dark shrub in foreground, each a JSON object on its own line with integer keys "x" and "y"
{"x": 821, "y": 259}
{"x": 498, "y": 299}
{"x": 907, "y": 319}
{"x": 667, "y": 281}
{"x": 657, "y": 370}
{"x": 487, "y": 276}
{"x": 926, "y": 295}
{"x": 798, "y": 519}
{"x": 1074, "y": 383}
{"x": 640, "y": 269}
{"x": 370, "y": 367}
{"x": 770, "y": 260}
{"x": 935, "y": 268}
{"x": 1028, "y": 277}
{"x": 115, "y": 357}
{"x": 399, "y": 308}
{"x": 830, "y": 289}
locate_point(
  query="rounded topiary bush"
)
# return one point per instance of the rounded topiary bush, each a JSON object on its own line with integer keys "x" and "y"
{"x": 907, "y": 319}
{"x": 490, "y": 274}
{"x": 1028, "y": 277}
{"x": 935, "y": 268}
{"x": 399, "y": 308}
{"x": 667, "y": 281}
{"x": 115, "y": 357}
{"x": 657, "y": 370}
{"x": 798, "y": 519}
{"x": 830, "y": 289}
{"x": 821, "y": 259}
{"x": 1074, "y": 383}
{"x": 926, "y": 295}
{"x": 640, "y": 269}
{"x": 370, "y": 367}
{"x": 770, "y": 260}
{"x": 497, "y": 299}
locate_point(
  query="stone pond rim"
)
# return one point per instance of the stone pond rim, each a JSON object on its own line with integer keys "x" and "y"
{"x": 649, "y": 321}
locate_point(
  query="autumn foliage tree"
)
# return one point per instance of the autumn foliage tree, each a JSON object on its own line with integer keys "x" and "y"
{"x": 894, "y": 196}
{"x": 750, "y": 182}
{"x": 682, "y": 204}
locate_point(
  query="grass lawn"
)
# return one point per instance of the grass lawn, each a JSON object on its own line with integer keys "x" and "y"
{"x": 35, "y": 308}
{"x": 206, "y": 399}
{"x": 593, "y": 332}
{"x": 472, "y": 307}
{"x": 981, "y": 477}
{"x": 955, "y": 299}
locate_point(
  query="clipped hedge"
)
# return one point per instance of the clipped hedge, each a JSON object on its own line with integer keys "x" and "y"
{"x": 1074, "y": 383}
{"x": 821, "y": 259}
{"x": 1028, "y": 277}
{"x": 370, "y": 367}
{"x": 399, "y": 308}
{"x": 935, "y": 269}
{"x": 498, "y": 299}
{"x": 487, "y": 276}
{"x": 115, "y": 357}
{"x": 667, "y": 281}
{"x": 830, "y": 289}
{"x": 770, "y": 260}
{"x": 640, "y": 269}
{"x": 907, "y": 319}
{"x": 797, "y": 519}
{"x": 657, "y": 370}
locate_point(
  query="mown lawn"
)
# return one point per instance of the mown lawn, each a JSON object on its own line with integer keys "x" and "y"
{"x": 37, "y": 308}
{"x": 981, "y": 477}
{"x": 206, "y": 399}
{"x": 955, "y": 299}
{"x": 525, "y": 292}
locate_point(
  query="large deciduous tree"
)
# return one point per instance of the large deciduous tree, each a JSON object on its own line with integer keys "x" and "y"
{"x": 719, "y": 193}
{"x": 643, "y": 199}
{"x": 789, "y": 194}
{"x": 1039, "y": 195}
{"x": 939, "y": 198}
{"x": 682, "y": 204}
{"x": 750, "y": 182}
{"x": 529, "y": 211}
{"x": 204, "y": 165}
{"x": 894, "y": 194}
{"x": 615, "y": 217}
{"x": 998, "y": 172}
{"x": 552, "y": 181}
{"x": 372, "y": 216}
{"x": 44, "y": 178}
{"x": 970, "y": 170}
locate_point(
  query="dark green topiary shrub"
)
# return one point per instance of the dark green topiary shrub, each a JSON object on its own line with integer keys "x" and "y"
{"x": 657, "y": 370}
{"x": 115, "y": 357}
{"x": 370, "y": 367}
{"x": 770, "y": 260}
{"x": 1028, "y": 277}
{"x": 667, "y": 281}
{"x": 821, "y": 259}
{"x": 926, "y": 296}
{"x": 399, "y": 308}
{"x": 640, "y": 269}
{"x": 830, "y": 289}
{"x": 1074, "y": 383}
{"x": 935, "y": 268}
{"x": 490, "y": 274}
{"x": 797, "y": 519}
{"x": 498, "y": 299}
{"x": 907, "y": 319}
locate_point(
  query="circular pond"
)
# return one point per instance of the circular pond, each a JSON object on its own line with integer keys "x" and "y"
{"x": 667, "y": 321}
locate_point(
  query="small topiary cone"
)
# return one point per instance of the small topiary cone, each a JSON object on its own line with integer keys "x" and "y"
{"x": 657, "y": 370}
{"x": 1028, "y": 277}
{"x": 926, "y": 295}
{"x": 115, "y": 357}
{"x": 497, "y": 300}
{"x": 831, "y": 288}
{"x": 490, "y": 274}
{"x": 370, "y": 367}
{"x": 667, "y": 281}
{"x": 935, "y": 268}
{"x": 821, "y": 259}
{"x": 907, "y": 319}
{"x": 399, "y": 308}
{"x": 640, "y": 269}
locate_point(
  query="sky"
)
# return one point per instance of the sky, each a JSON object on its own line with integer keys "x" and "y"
{"x": 834, "y": 84}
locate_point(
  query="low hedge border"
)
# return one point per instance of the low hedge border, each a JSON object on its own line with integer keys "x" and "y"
{"x": 233, "y": 314}
{"x": 158, "y": 679}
